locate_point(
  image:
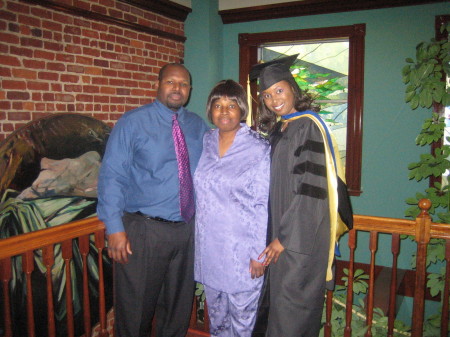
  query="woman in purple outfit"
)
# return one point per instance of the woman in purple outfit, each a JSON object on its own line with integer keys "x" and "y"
{"x": 232, "y": 187}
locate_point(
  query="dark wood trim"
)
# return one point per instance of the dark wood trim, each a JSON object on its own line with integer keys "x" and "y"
{"x": 164, "y": 7}
{"x": 438, "y": 22}
{"x": 248, "y": 47}
{"x": 310, "y": 7}
{"x": 353, "y": 168}
{"x": 105, "y": 18}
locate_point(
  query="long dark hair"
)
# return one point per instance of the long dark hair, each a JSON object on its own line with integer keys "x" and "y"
{"x": 302, "y": 101}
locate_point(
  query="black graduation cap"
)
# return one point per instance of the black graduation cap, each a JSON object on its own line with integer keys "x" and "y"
{"x": 272, "y": 72}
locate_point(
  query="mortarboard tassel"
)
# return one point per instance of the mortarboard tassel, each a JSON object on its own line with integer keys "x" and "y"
{"x": 249, "y": 119}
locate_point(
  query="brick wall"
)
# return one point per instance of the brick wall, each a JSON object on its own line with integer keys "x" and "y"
{"x": 55, "y": 61}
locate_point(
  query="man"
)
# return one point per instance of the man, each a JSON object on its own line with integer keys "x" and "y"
{"x": 139, "y": 202}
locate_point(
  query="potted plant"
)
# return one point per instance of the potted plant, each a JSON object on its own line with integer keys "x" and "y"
{"x": 426, "y": 86}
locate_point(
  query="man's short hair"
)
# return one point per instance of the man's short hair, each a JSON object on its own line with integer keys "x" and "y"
{"x": 164, "y": 67}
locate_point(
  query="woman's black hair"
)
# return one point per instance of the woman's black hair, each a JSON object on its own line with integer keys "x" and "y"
{"x": 302, "y": 101}
{"x": 231, "y": 89}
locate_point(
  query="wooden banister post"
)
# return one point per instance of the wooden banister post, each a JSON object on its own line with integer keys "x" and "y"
{"x": 351, "y": 270}
{"x": 27, "y": 268}
{"x": 422, "y": 237}
{"x": 67, "y": 254}
{"x": 83, "y": 242}
{"x": 100, "y": 244}
{"x": 5, "y": 276}
{"x": 48, "y": 258}
{"x": 373, "y": 246}
{"x": 395, "y": 249}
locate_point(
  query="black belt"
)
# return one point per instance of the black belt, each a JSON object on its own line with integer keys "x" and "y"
{"x": 156, "y": 218}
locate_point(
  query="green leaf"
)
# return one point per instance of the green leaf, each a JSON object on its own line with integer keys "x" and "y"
{"x": 425, "y": 70}
{"x": 409, "y": 96}
{"x": 438, "y": 92}
{"x": 446, "y": 99}
{"x": 414, "y": 103}
{"x": 406, "y": 70}
{"x": 412, "y": 201}
{"x": 434, "y": 50}
{"x": 428, "y": 99}
{"x": 358, "y": 272}
{"x": 410, "y": 87}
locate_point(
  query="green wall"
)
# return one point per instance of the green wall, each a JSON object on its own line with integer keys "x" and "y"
{"x": 389, "y": 126}
{"x": 203, "y": 51}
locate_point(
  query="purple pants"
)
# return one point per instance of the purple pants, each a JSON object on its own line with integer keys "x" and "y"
{"x": 231, "y": 315}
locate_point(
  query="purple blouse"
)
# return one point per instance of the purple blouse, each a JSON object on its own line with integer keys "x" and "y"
{"x": 231, "y": 210}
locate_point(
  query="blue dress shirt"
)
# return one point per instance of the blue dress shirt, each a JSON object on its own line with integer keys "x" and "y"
{"x": 139, "y": 170}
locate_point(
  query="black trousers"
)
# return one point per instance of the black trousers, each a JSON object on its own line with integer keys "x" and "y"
{"x": 157, "y": 280}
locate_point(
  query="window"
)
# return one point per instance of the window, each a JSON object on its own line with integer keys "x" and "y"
{"x": 345, "y": 105}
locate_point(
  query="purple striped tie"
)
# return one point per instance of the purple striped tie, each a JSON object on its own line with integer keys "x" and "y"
{"x": 184, "y": 171}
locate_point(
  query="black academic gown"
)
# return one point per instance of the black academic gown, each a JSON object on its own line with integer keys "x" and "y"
{"x": 300, "y": 219}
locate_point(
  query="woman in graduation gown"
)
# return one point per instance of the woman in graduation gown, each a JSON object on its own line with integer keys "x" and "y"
{"x": 303, "y": 203}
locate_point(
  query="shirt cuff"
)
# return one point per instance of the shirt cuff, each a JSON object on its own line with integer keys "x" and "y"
{"x": 114, "y": 227}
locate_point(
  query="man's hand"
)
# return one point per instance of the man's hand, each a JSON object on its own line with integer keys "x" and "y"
{"x": 119, "y": 247}
{"x": 272, "y": 252}
{"x": 256, "y": 269}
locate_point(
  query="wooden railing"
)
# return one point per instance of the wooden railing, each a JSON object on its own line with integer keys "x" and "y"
{"x": 422, "y": 229}
{"x": 26, "y": 245}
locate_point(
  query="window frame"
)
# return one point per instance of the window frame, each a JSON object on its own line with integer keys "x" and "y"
{"x": 248, "y": 52}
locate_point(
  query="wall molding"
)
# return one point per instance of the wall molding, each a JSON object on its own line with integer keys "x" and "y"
{"x": 105, "y": 18}
{"x": 164, "y": 7}
{"x": 310, "y": 7}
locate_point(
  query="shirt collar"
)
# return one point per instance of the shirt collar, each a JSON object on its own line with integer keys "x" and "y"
{"x": 243, "y": 129}
{"x": 166, "y": 112}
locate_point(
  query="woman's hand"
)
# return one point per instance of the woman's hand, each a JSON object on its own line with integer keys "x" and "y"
{"x": 256, "y": 268}
{"x": 119, "y": 247}
{"x": 272, "y": 252}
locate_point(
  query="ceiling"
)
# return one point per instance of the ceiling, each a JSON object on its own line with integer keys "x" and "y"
{"x": 231, "y": 4}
